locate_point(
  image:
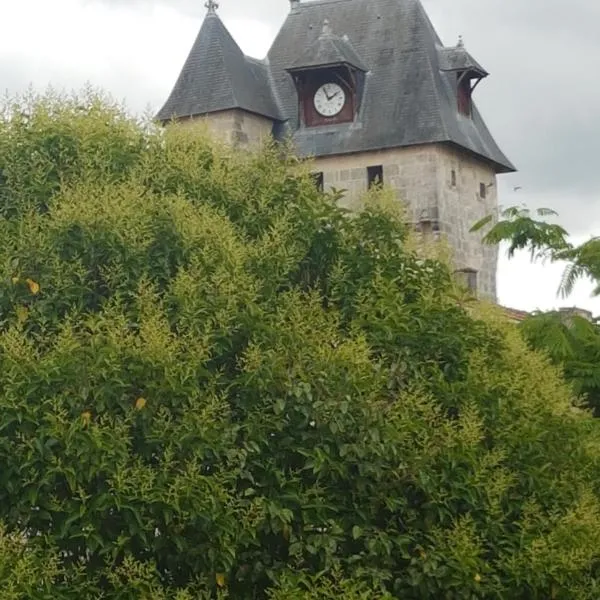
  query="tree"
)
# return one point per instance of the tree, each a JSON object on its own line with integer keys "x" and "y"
{"x": 216, "y": 383}
{"x": 573, "y": 343}
{"x": 545, "y": 241}
{"x": 570, "y": 341}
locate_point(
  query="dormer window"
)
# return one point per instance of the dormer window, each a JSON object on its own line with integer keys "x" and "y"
{"x": 468, "y": 73}
{"x": 329, "y": 79}
{"x": 464, "y": 95}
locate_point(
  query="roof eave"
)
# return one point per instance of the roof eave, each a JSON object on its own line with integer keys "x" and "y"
{"x": 478, "y": 73}
{"x": 322, "y": 66}
{"x": 195, "y": 115}
{"x": 501, "y": 168}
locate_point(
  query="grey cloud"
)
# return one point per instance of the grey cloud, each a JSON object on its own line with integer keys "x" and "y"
{"x": 269, "y": 11}
{"x": 542, "y": 96}
{"x": 122, "y": 84}
{"x": 13, "y": 79}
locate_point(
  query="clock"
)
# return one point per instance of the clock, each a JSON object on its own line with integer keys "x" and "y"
{"x": 329, "y": 99}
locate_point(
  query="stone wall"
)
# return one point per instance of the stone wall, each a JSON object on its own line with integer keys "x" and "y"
{"x": 442, "y": 187}
{"x": 236, "y": 127}
{"x": 412, "y": 172}
{"x": 461, "y": 206}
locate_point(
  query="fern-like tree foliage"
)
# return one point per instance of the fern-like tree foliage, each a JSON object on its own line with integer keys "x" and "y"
{"x": 215, "y": 383}
{"x": 544, "y": 241}
{"x": 571, "y": 342}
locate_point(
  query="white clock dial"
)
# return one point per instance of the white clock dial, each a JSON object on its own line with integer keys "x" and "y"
{"x": 329, "y": 99}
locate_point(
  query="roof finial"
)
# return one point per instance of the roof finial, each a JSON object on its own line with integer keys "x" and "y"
{"x": 461, "y": 42}
{"x": 326, "y": 28}
{"x": 211, "y": 5}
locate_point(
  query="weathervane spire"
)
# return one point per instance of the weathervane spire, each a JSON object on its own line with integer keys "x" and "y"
{"x": 212, "y": 5}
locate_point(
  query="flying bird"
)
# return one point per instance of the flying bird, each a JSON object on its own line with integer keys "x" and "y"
{"x": 517, "y": 188}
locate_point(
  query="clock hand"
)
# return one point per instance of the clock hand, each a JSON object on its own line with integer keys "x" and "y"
{"x": 329, "y": 98}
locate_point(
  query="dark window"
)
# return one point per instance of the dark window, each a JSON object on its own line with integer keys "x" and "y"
{"x": 318, "y": 179}
{"x": 482, "y": 190}
{"x": 464, "y": 95}
{"x": 468, "y": 279}
{"x": 453, "y": 178}
{"x": 374, "y": 176}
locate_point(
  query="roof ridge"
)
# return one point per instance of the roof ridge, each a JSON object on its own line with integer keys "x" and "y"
{"x": 224, "y": 57}
{"x": 274, "y": 90}
{"x": 433, "y": 71}
{"x": 319, "y": 2}
{"x": 258, "y": 61}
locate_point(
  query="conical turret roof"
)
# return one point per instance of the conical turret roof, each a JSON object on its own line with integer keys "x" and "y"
{"x": 218, "y": 76}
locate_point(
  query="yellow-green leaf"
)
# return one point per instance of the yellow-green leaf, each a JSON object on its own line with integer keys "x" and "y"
{"x": 22, "y": 313}
{"x": 34, "y": 287}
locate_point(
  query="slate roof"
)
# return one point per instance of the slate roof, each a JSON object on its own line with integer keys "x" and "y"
{"x": 329, "y": 49}
{"x": 218, "y": 76}
{"x": 409, "y": 90}
{"x": 408, "y": 99}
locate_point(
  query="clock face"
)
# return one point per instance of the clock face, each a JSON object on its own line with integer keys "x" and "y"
{"x": 329, "y": 99}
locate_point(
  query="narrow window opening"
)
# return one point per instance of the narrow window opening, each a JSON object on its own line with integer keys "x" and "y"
{"x": 374, "y": 176}
{"x": 467, "y": 278}
{"x": 482, "y": 190}
{"x": 453, "y": 178}
{"x": 318, "y": 181}
{"x": 464, "y": 95}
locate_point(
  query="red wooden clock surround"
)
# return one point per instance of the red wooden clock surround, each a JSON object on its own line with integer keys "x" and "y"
{"x": 308, "y": 86}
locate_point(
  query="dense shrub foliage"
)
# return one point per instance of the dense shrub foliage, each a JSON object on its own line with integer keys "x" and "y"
{"x": 216, "y": 384}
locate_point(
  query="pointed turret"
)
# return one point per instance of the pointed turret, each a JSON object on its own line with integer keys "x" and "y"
{"x": 217, "y": 76}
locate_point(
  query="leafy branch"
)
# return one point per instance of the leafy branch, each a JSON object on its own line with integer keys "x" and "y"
{"x": 544, "y": 241}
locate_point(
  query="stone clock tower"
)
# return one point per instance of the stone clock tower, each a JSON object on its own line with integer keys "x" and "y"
{"x": 368, "y": 90}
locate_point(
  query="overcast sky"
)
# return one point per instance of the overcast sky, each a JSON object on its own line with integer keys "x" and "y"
{"x": 541, "y": 101}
